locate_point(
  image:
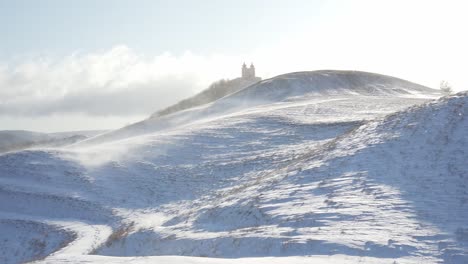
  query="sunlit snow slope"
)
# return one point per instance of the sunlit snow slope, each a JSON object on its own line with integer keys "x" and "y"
{"x": 328, "y": 177}
{"x": 289, "y": 87}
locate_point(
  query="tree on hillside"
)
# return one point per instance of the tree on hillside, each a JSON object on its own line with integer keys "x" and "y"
{"x": 446, "y": 88}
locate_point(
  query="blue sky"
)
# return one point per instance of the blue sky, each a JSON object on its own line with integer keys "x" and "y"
{"x": 73, "y": 65}
{"x": 59, "y": 27}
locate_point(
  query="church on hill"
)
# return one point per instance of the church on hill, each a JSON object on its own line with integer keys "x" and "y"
{"x": 248, "y": 73}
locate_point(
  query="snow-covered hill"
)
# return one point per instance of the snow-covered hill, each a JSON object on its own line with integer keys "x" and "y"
{"x": 329, "y": 82}
{"x": 323, "y": 178}
{"x": 296, "y": 87}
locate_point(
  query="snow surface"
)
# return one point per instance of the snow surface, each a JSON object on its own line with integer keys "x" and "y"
{"x": 349, "y": 177}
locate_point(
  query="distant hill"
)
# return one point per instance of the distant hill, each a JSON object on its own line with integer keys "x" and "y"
{"x": 330, "y": 82}
{"x": 14, "y": 140}
{"x": 214, "y": 92}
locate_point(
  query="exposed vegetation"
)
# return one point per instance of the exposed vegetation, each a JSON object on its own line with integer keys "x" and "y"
{"x": 214, "y": 92}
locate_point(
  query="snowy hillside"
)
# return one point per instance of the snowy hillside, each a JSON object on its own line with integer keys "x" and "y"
{"x": 395, "y": 188}
{"x": 363, "y": 168}
{"x": 288, "y": 87}
{"x": 390, "y": 189}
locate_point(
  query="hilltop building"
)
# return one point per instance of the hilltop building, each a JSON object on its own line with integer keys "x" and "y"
{"x": 248, "y": 73}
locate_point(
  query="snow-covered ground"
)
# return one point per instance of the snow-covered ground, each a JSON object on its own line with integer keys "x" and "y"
{"x": 322, "y": 167}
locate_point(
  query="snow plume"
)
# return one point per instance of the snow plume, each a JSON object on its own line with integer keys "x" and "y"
{"x": 93, "y": 157}
{"x": 117, "y": 82}
{"x": 96, "y": 156}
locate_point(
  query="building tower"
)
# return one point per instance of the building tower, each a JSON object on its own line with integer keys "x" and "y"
{"x": 252, "y": 71}
{"x": 248, "y": 73}
{"x": 245, "y": 71}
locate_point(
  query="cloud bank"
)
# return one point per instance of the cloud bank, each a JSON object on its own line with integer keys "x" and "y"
{"x": 117, "y": 82}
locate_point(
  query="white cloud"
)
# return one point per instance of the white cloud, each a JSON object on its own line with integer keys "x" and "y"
{"x": 117, "y": 82}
